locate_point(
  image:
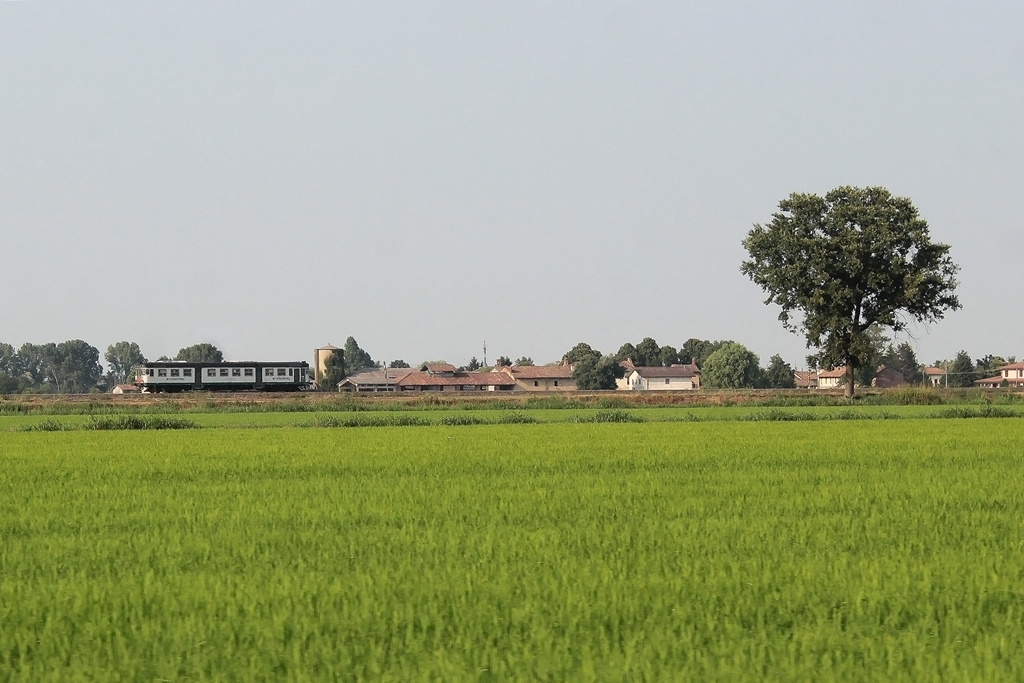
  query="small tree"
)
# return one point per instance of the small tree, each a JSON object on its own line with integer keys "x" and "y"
{"x": 524, "y": 361}
{"x": 473, "y": 365}
{"x": 398, "y": 364}
{"x": 855, "y": 258}
{"x": 731, "y": 367}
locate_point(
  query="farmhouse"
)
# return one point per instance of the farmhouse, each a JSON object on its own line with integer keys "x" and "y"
{"x": 374, "y": 380}
{"x": 831, "y": 379}
{"x": 805, "y": 379}
{"x": 1011, "y": 375}
{"x": 887, "y": 378}
{"x": 541, "y": 377}
{"x": 673, "y": 378}
{"x": 933, "y": 376}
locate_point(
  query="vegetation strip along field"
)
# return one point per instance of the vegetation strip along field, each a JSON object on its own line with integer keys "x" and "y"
{"x": 463, "y": 417}
{"x": 856, "y": 550}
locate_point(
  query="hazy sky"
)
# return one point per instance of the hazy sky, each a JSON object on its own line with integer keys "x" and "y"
{"x": 424, "y": 175}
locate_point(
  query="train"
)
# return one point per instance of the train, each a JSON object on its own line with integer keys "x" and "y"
{"x": 172, "y": 376}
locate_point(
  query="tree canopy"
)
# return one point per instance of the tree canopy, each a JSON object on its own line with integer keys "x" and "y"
{"x": 854, "y": 258}
{"x": 355, "y": 358}
{"x": 779, "y": 374}
{"x": 961, "y": 373}
{"x": 733, "y": 366}
{"x": 70, "y": 367}
{"x": 121, "y": 358}
{"x": 696, "y": 351}
{"x": 200, "y": 353}
{"x": 591, "y": 370}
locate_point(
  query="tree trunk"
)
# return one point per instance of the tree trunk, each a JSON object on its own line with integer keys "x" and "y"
{"x": 849, "y": 380}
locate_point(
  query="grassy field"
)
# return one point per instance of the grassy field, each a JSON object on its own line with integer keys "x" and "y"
{"x": 857, "y": 550}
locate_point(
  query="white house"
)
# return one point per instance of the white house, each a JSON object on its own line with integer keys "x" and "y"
{"x": 673, "y": 378}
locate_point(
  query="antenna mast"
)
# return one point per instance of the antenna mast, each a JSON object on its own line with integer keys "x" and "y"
{"x": 485, "y": 353}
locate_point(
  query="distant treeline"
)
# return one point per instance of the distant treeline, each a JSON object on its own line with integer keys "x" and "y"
{"x": 73, "y": 366}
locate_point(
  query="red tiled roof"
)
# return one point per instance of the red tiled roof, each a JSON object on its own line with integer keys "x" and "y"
{"x": 1013, "y": 366}
{"x": 990, "y": 380}
{"x": 377, "y": 376}
{"x": 835, "y": 372}
{"x": 482, "y": 379}
{"x": 933, "y": 371}
{"x": 540, "y": 371}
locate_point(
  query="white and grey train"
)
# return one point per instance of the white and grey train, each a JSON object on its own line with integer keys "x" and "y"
{"x": 160, "y": 376}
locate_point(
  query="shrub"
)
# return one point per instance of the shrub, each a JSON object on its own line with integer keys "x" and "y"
{"x": 459, "y": 420}
{"x": 516, "y": 418}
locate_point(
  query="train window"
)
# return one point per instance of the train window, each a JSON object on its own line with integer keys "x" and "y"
{"x": 269, "y": 372}
{"x": 223, "y": 372}
{"x": 236, "y": 372}
{"x": 161, "y": 373}
{"x": 281, "y": 372}
{"x": 187, "y": 372}
{"x": 175, "y": 372}
{"x": 248, "y": 372}
{"x": 150, "y": 372}
{"x": 210, "y": 372}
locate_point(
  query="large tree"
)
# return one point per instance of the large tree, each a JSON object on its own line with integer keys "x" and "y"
{"x": 648, "y": 354}
{"x": 779, "y": 374}
{"x": 70, "y": 367}
{"x": 200, "y": 353}
{"x": 905, "y": 360}
{"x": 733, "y": 366}
{"x": 854, "y": 258}
{"x": 121, "y": 358}
{"x": 591, "y": 370}
{"x": 696, "y": 350}
{"x": 961, "y": 372}
{"x": 355, "y": 358}
{"x": 76, "y": 367}
{"x": 8, "y": 360}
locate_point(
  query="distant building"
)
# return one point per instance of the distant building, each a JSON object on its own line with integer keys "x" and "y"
{"x": 320, "y": 356}
{"x": 831, "y": 379}
{"x": 658, "y": 378}
{"x": 805, "y": 379}
{"x": 374, "y": 380}
{"x": 541, "y": 377}
{"x": 1011, "y": 375}
{"x": 887, "y": 378}
{"x": 933, "y": 376}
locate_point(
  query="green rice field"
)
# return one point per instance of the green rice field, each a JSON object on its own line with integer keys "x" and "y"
{"x": 673, "y": 549}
